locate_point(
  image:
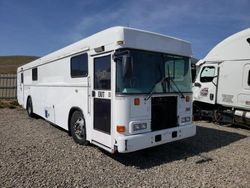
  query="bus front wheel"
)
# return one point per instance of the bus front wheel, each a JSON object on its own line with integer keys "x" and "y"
{"x": 78, "y": 128}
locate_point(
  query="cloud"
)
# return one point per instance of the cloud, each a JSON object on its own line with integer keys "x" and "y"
{"x": 159, "y": 16}
{"x": 147, "y": 15}
{"x": 203, "y": 23}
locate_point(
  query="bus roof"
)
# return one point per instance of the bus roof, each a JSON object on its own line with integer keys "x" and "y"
{"x": 132, "y": 38}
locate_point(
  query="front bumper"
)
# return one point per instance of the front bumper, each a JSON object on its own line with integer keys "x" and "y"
{"x": 132, "y": 143}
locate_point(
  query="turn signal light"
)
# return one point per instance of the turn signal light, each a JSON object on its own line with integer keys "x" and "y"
{"x": 247, "y": 102}
{"x": 136, "y": 101}
{"x": 188, "y": 98}
{"x": 120, "y": 128}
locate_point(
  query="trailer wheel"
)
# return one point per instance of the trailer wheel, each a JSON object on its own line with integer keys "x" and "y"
{"x": 30, "y": 108}
{"x": 217, "y": 116}
{"x": 78, "y": 128}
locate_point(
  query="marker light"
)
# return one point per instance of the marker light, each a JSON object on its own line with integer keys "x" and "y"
{"x": 120, "y": 42}
{"x": 137, "y": 101}
{"x": 99, "y": 49}
{"x": 247, "y": 102}
{"x": 120, "y": 128}
{"x": 188, "y": 98}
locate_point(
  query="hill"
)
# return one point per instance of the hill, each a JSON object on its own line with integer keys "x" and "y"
{"x": 9, "y": 64}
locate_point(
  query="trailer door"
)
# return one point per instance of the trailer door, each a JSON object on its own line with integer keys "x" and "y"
{"x": 101, "y": 100}
{"x": 205, "y": 86}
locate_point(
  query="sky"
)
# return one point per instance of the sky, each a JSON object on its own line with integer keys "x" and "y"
{"x": 38, "y": 27}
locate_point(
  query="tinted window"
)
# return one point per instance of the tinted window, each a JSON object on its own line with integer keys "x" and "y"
{"x": 147, "y": 69}
{"x": 21, "y": 77}
{"x": 207, "y": 74}
{"x": 34, "y": 74}
{"x": 102, "y": 73}
{"x": 102, "y": 115}
{"x": 79, "y": 66}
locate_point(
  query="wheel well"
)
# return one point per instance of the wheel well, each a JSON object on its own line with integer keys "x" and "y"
{"x": 72, "y": 110}
{"x": 29, "y": 97}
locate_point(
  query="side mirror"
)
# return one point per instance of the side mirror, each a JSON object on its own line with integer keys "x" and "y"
{"x": 197, "y": 84}
{"x": 127, "y": 63}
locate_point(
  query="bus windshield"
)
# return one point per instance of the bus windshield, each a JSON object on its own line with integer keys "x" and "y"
{"x": 141, "y": 72}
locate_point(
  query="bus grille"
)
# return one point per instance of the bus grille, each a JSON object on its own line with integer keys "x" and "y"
{"x": 163, "y": 113}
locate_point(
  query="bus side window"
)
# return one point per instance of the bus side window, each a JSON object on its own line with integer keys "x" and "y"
{"x": 34, "y": 74}
{"x": 102, "y": 74}
{"x": 79, "y": 66}
{"x": 21, "y": 78}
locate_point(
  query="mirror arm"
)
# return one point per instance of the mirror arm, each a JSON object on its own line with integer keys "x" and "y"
{"x": 197, "y": 84}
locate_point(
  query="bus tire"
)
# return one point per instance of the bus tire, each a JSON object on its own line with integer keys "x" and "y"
{"x": 78, "y": 128}
{"x": 30, "y": 108}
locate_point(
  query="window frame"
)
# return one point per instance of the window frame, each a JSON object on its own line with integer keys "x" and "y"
{"x": 105, "y": 56}
{"x": 208, "y": 78}
{"x": 22, "y": 79}
{"x": 123, "y": 51}
{"x": 34, "y": 74}
{"x": 79, "y": 76}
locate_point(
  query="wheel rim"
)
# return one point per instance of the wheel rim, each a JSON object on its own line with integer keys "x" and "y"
{"x": 79, "y": 128}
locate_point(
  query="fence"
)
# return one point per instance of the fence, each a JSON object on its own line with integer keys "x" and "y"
{"x": 8, "y": 86}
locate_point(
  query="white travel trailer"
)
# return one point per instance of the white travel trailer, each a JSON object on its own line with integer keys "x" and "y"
{"x": 121, "y": 89}
{"x": 222, "y": 86}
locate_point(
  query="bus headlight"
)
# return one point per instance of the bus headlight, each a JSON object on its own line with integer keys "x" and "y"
{"x": 185, "y": 119}
{"x": 139, "y": 126}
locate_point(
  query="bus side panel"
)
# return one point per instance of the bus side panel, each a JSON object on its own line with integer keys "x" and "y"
{"x": 27, "y": 86}
{"x": 55, "y": 92}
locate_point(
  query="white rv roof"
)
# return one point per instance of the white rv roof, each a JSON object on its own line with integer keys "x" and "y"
{"x": 133, "y": 38}
{"x": 235, "y": 47}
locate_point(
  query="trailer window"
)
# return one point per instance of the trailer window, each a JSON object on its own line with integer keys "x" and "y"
{"x": 79, "y": 66}
{"x": 34, "y": 74}
{"x": 102, "y": 73}
{"x": 207, "y": 74}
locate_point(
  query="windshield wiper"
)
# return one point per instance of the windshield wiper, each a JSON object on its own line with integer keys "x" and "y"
{"x": 152, "y": 89}
{"x": 169, "y": 80}
{"x": 179, "y": 91}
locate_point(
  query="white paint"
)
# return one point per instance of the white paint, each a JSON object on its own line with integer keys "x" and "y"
{"x": 56, "y": 92}
{"x": 231, "y": 59}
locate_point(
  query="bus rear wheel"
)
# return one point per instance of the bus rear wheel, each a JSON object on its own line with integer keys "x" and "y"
{"x": 30, "y": 108}
{"x": 78, "y": 128}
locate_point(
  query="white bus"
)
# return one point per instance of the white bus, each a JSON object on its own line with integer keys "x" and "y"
{"x": 121, "y": 89}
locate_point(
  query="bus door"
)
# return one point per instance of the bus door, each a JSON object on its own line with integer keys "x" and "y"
{"x": 20, "y": 88}
{"x": 101, "y": 100}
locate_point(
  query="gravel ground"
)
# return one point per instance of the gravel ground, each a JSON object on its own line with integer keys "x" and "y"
{"x": 34, "y": 153}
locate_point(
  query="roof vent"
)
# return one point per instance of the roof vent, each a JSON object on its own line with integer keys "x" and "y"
{"x": 248, "y": 40}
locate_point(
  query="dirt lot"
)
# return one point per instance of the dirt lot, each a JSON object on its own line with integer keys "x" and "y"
{"x": 35, "y": 154}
